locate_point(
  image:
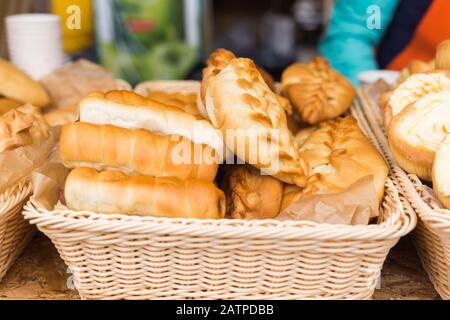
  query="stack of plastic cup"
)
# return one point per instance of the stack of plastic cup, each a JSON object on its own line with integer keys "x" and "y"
{"x": 35, "y": 43}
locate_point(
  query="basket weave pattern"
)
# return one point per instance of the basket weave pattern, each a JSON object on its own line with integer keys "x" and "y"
{"x": 432, "y": 235}
{"x": 131, "y": 257}
{"x": 15, "y": 231}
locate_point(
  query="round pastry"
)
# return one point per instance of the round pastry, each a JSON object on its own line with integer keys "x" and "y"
{"x": 416, "y": 132}
{"x": 415, "y": 66}
{"x": 338, "y": 155}
{"x": 317, "y": 91}
{"x": 15, "y": 84}
{"x": 414, "y": 88}
{"x": 441, "y": 172}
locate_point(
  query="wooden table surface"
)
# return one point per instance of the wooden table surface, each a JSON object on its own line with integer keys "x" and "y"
{"x": 39, "y": 273}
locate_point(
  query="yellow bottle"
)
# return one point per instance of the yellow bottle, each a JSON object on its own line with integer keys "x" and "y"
{"x": 77, "y": 23}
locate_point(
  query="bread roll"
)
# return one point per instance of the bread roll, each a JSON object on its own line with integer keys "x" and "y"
{"x": 338, "y": 155}
{"x": 21, "y": 127}
{"x": 415, "y": 66}
{"x": 441, "y": 172}
{"x": 417, "y": 131}
{"x": 15, "y": 84}
{"x": 317, "y": 91}
{"x": 184, "y": 102}
{"x": 443, "y": 55}
{"x": 62, "y": 116}
{"x": 251, "y": 195}
{"x": 115, "y": 192}
{"x": 135, "y": 151}
{"x": 414, "y": 88}
{"x": 129, "y": 110}
{"x": 252, "y": 118}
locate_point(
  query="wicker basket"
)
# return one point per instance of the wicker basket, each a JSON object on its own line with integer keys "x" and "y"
{"x": 15, "y": 231}
{"x": 131, "y": 257}
{"x": 432, "y": 236}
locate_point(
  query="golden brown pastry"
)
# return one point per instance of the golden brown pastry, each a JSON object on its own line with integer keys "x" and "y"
{"x": 135, "y": 151}
{"x": 181, "y": 94}
{"x": 415, "y": 66}
{"x": 416, "y": 132}
{"x": 15, "y": 84}
{"x": 338, "y": 155}
{"x": 115, "y": 192}
{"x": 441, "y": 172}
{"x": 21, "y": 127}
{"x": 61, "y": 116}
{"x": 252, "y": 118}
{"x": 317, "y": 91}
{"x": 129, "y": 110}
{"x": 443, "y": 55}
{"x": 251, "y": 195}
{"x": 8, "y": 104}
{"x": 414, "y": 88}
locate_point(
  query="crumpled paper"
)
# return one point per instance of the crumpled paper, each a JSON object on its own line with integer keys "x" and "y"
{"x": 20, "y": 162}
{"x": 353, "y": 206}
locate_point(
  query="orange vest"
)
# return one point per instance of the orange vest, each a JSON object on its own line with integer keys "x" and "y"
{"x": 433, "y": 29}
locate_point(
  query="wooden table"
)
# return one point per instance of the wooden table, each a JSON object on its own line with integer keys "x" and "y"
{"x": 39, "y": 273}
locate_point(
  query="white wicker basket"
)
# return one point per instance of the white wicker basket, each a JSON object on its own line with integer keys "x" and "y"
{"x": 15, "y": 231}
{"x": 432, "y": 235}
{"x": 131, "y": 257}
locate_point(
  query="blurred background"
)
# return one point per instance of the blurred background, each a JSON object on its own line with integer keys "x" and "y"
{"x": 170, "y": 39}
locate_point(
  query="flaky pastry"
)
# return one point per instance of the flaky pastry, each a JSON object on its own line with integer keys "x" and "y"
{"x": 316, "y": 90}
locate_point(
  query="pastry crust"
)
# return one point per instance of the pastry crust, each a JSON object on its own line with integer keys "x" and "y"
{"x": 253, "y": 120}
{"x": 338, "y": 154}
{"x": 17, "y": 85}
{"x": 115, "y": 192}
{"x": 251, "y": 195}
{"x": 441, "y": 172}
{"x": 317, "y": 91}
{"x": 8, "y": 104}
{"x": 134, "y": 151}
{"x": 416, "y": 132}
{"x": 415, "y": 66}
{"x": 443, "y": 55}
{"x": 414, "y": 88}
{"x": 21, "y": 127}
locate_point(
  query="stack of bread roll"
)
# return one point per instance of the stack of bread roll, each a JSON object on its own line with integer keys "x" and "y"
{"x": 127, "y": 157}
{"x": 417, "y": 117}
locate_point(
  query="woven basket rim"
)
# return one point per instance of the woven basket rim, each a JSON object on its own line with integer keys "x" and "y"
{"x": 411, "y": 184}
{"x": 13, "y": 195}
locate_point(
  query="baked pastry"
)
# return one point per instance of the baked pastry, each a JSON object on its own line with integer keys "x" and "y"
{"x": 416, "y": 132}
{"x": 21, "y": 127}
{"x": 317, "y": 91}
{"x": 216, "y": 62}
{"x": 15, "y": 84}
{"x": 134, "y": 151}
{"x": 8, "y": 104}
{"x": 252, "y": 118}
{"x": 414, "y": 88}
{"x": 338, "y": 155}
{"x": 414, "y": 67}
{"x": 129, "y": 110}
{"x": 115, "y": 192}
{"x": 180, "y": 94}
{"x": 441, "y": 172}
{"x": 443, "y": 55}
{"x": 251, "y": 195}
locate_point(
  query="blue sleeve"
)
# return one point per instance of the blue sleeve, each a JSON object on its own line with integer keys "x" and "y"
{"x": 350, "y": 39}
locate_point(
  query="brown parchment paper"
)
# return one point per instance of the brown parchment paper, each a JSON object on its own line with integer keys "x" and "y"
{"x": 20, "y": 162}
{"x": 353, "y": 206}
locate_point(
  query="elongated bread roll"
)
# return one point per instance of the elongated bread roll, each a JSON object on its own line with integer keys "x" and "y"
{"x": 441, "y": 172}
{"x": 135, "y": 151}
{"x": 129, "y": 110}
{"x": 253, "y": 121}
{"x": 115, "y": 192}
{"x": 417, "y": 131}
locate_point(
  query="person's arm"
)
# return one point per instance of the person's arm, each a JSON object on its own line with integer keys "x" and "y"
{"x": 349, "y": 44}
